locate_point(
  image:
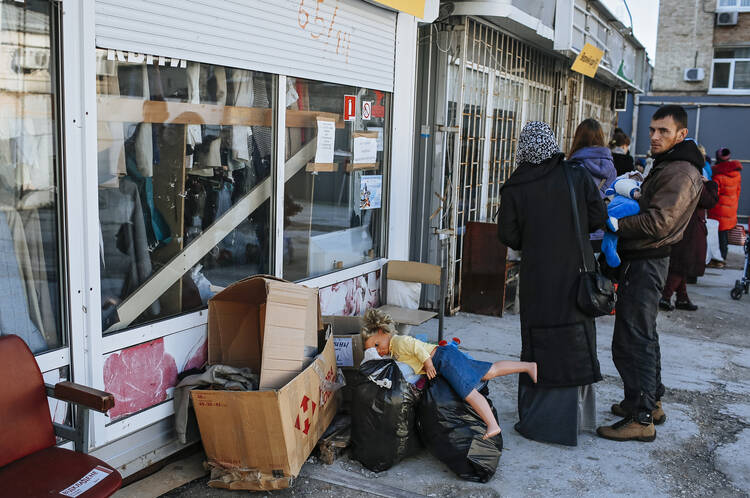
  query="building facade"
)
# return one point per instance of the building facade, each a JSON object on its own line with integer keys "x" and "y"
{"x": 703, "y": 63}
{"x": 485, "y": 69}
{"x": 155, "y": 151}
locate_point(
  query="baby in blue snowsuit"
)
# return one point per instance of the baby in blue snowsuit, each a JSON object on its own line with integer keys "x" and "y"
{"x": 624, "y": 194}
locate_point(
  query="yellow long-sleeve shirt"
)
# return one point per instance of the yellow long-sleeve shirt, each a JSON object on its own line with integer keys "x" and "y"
{"x": 411, "y": 351}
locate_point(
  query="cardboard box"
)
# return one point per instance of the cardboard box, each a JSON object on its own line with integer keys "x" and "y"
{"x": 347, "y": 340}
{"x": 266, "y": 324}
{"x": 259, "y": 440}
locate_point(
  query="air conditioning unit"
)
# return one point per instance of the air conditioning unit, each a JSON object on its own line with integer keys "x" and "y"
{"x": 726, "y": 18}
{"x": 695, "y": 74}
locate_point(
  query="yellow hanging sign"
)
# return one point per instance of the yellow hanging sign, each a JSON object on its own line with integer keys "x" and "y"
{"x": 588, "y": 60}
{"x": 413, "y": 7}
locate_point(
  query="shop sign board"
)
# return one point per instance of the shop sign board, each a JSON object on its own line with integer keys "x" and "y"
{"x": 413, "y": 7}
{"x": 588, "y": 60}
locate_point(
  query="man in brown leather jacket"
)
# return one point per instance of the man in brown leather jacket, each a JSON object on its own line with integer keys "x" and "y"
{"x": 668, "y": 197}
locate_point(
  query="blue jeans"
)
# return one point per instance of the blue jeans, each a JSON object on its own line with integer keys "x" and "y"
{"x": 463, "y": 373}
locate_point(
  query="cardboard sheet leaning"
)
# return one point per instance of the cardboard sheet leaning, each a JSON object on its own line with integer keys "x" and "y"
{"x": 260, "y": 440}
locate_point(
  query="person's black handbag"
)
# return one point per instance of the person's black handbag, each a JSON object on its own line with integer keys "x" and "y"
{"x": 596, "y": 293}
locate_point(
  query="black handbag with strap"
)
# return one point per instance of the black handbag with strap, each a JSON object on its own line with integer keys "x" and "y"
{"x": 596, "y": 293}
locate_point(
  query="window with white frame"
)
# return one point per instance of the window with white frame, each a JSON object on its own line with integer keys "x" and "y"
{"x": 731, "y": 70}
{"x": 731, "y": 5}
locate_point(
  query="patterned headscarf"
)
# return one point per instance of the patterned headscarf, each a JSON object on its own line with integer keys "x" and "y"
{"x": 536, "y": 144}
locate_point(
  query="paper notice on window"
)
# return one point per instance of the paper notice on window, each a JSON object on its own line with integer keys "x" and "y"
{"x": 344, "y": 351}
{"x": 365, "y": 150}
{"x": 326, "y": 140}
{"x": 97, "y": 474}
{"x": 379, "y": 131}
{"x": 370, "y": 191}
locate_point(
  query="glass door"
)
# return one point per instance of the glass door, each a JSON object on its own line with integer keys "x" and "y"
{"x": 32, "y": 301}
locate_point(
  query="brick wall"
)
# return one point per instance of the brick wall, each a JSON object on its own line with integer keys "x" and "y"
{"x": 733, "y": 35}
{"x": 684, "y": 29}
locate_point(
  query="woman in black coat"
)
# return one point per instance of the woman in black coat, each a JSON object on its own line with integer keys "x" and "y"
{"x": 536, "y": 217}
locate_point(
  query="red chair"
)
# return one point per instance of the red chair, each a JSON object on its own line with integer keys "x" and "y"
{"x": 30, "y": 463}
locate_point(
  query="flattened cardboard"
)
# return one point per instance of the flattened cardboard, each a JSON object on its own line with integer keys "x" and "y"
{"x": 412, "y": 271}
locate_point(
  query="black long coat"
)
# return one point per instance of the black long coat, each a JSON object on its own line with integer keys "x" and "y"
{"x": 536, "y": 217}
{"x": 689, "y": 255}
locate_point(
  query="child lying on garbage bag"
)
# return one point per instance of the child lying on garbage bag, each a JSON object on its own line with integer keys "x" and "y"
{"x": 463, "y": 373}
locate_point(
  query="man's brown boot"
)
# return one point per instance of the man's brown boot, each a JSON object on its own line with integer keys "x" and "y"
{"x": 658, "y": 414}
{"x": 628, "y": 429}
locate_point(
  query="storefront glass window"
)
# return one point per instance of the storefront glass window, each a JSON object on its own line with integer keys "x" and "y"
{"x": 29, "y": 159}
{"x": 185, "y": 154}
{"x": 336, "y": 153}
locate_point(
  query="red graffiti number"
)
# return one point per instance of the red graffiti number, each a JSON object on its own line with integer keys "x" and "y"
{"x": 321, "y": 21}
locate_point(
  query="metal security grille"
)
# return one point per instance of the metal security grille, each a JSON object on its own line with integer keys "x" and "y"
{"x": 597, "y": 104}
{"x": 496, "y": 84}
{"x": 487, "y": 85}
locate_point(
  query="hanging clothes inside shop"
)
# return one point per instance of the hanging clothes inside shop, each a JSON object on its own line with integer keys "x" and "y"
{"x": 194, "y": 135}
{"x": 39, "y": 227}
{"x": 126, "y": 261}
{"x": 157, "y": 229}
{"x": 132, "y": 149}
{"x": 110, "y": 135}
{"x": 262, "y": 134}
{"x": 27, "y": 143}
{"x": 133, "y": 81}
{"x": 16, "y": 292}
{"x": 240, "y": 88}
{"x": 213, "y": 90}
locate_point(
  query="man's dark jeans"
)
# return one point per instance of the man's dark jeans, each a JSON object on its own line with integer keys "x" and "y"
{"x": 635, "y": 344}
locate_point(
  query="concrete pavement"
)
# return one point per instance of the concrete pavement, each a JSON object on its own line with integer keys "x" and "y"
{"x": 702, "y": 449}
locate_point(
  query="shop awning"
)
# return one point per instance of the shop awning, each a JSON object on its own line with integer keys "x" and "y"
{"x": 413, "y": 7}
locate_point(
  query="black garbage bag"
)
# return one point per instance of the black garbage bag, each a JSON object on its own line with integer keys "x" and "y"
{"x": 384, "y": 407}
{"x": 453, "y": 431}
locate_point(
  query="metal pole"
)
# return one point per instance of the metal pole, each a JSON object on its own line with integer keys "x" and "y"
{"x": 634, "y": 132}
{"x": 697, "y": 122}
{"x": 426, "y": 146}
{"x": 457, "y": 167}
